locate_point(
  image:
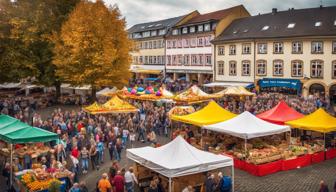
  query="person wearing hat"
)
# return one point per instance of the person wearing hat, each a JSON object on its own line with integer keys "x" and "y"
{"x": 104, "y": 184}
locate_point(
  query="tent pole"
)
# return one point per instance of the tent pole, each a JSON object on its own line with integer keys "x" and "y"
{"x": 170, "y": 185}
{"x": 232, "y": 173}
{"x": 11, "y": 167}
{"x": 245, "y": 147}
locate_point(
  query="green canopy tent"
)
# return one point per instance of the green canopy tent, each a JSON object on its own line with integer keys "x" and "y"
{"x": 14, "y": 131}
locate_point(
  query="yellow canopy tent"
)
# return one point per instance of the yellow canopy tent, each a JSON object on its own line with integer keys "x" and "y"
{"x": 319, "y": 121}
{"x": 235, "y": 91}
{"x": 193, "y": 95}
{"x": 116, "y": 105}
{"x": 94, "y": 107}
{"x": 210, "y": 114}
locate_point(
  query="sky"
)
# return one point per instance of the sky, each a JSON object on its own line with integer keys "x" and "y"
{"x": 141, "y": 11}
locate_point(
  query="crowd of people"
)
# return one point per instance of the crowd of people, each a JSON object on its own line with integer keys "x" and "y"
{"x": 85, "y": 138}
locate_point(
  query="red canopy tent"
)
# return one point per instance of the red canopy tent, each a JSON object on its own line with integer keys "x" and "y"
{"x": 280, "y": 114}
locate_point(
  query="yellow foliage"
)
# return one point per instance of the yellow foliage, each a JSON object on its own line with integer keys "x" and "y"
{"x": 93, "y": 47}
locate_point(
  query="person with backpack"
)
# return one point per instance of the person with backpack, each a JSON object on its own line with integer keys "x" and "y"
{"x": 225, "y": 183}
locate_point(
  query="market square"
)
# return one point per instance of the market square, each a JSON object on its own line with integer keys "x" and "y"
{"x": 229, "y": 96}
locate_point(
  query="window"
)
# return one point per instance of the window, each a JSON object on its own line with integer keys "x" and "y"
{"x": 192, "y": 29}
{"x": 193, "y": 59}
{"x": 207, "y": 27}
{"x": 179, "y": 43}
{"x": 154, "y": 44}
{"x": 185, "y": 30}
{"x": 146, "y": 59}
{"x": 246, "y": 71}
{"x": 317, "y": 47}
{"x": 207, "y": 59}
{"x": 291, "y": 25}
{"x": 265, "y": 28}
{"x": 261, "y": 68}
{"x": 146, "y": 34}
{"x": 179, "y": 59}
{"x": 262, "y": 48}
{"x": 169, "y": 60}
{"x": 333, "y": 70}
{"x": 221, "y": 50}
{"x": 318, "y": 23}
{"x": 137, "y": 35}
{"x": 316, "y": 69}
{"x": 174, "y": 59}
{"x": 200, "y": 42}
{"x": 220, "y": 67}
{"x": 207, "y": 41}
{"x": 150, "y": 45}
{"x": 150, "y": 60}
{"x": 186, "y": 60}
{"x": 296, "y": 47}
{"x": 278, "y": 68}
{"x": 232, "y": 68}
{"x": 174, "y": 44}
{"x": 153, "y": 33}
{"x": 175, "y": 32}
{"x": 297, "y": 68}
{"x": 246, "y": 48}
{"x": 232, "y": 49}
{"x": 146, "y": 45}
{"x": 159, "y": 61}
{"x": 200, "y": 28}
{"x": 162, "y": 31}
{"x": 141, "y": 60}
{"x": 278, "y": 48}
{"x": 334, "y": 47}
{"x": 186, "y": 43}
{"x": 193, "y": 42}
{"x": 169, "y": 44}
{"x": 154, "y": 59}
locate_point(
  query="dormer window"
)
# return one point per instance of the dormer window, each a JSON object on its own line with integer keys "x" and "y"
{"x": 235, "y": 32}
{"x": 175, "y": 32}
{"x": 185, "y": 30}
{"x": 245, "y": 31}
{"x": 291, "y": 25}
{"x": 146, "y": 34}
{"x": 159, "y": 24}
{"x": 150, "y": 25}
{"x": 318, "y": 23}
{"x": 153, "y": 33}
{"x": 207, "y": 27}
{"x": 162, "y": 32}
{"x": 200, "y": 28}
{"x": 265, "y": 28}
{"x": 192, "y": 29}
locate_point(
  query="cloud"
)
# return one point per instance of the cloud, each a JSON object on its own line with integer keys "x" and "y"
{"x": 140, "y": 11}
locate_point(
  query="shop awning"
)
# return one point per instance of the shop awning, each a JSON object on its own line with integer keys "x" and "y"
{"x": 280, "y": 114}
{"x": 210, "y": 114}
{"x": 277, "y": 82}
{"x": 14, "y": 131}
{"x": 247, "y": 126}
{"x": 319, "y": 121}
{"x": 178, "y": 158}
{"x": 227, "y": 84}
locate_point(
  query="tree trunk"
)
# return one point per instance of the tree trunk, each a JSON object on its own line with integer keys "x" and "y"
{"x": 58, "y": 91}
{"x": 93, "y": 93}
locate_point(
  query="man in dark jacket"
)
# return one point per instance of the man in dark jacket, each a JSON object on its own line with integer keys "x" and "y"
{"x": 210, "y": 184}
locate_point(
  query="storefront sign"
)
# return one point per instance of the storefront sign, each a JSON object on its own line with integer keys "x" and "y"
{"x": 289, "y": 83}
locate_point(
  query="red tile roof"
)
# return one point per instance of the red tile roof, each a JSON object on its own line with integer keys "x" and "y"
{"x": 217, "y": 15}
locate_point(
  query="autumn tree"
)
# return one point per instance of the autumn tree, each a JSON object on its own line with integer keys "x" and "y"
{"x": 26, "y": 30}
{"x": 93, "y": 47}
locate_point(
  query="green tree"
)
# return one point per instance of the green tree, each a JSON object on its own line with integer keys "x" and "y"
{"x": 27, "y": 27}
{"x": 93, "y": 47}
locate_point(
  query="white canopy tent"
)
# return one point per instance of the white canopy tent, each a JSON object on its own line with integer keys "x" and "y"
{"x": 178, "y": 158}
{"x": 247, "y": 126}
{"x": 105, "y": 91}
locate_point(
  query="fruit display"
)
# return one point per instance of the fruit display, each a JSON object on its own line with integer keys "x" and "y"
{"x": 34, "y": 150}
{"x": 181, "y": 110}
{"x": 39, "y": 185}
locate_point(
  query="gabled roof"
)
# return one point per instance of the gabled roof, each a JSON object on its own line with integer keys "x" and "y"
{"x": 155, "y": 25}
{"x": 304, "y": 21}
{"x": 217, "y": 15}
{"x": 280, "y": 114}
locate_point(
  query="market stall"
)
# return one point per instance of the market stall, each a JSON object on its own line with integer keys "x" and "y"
{"x": 318, "y": 122}
{"x": 194, "y": 95}
{"x": 235, "y": 91}
{"x": 255, "y": 155}
{"x": 114, "y": 105}
{"x": 280, "y": 114}
{"x": 181, "y": 110}
{"x": 148, "y": 94}
{"x": 13, "y": 131}
{"x": 210, "y": 114}
{"x": 177, "y": 160}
